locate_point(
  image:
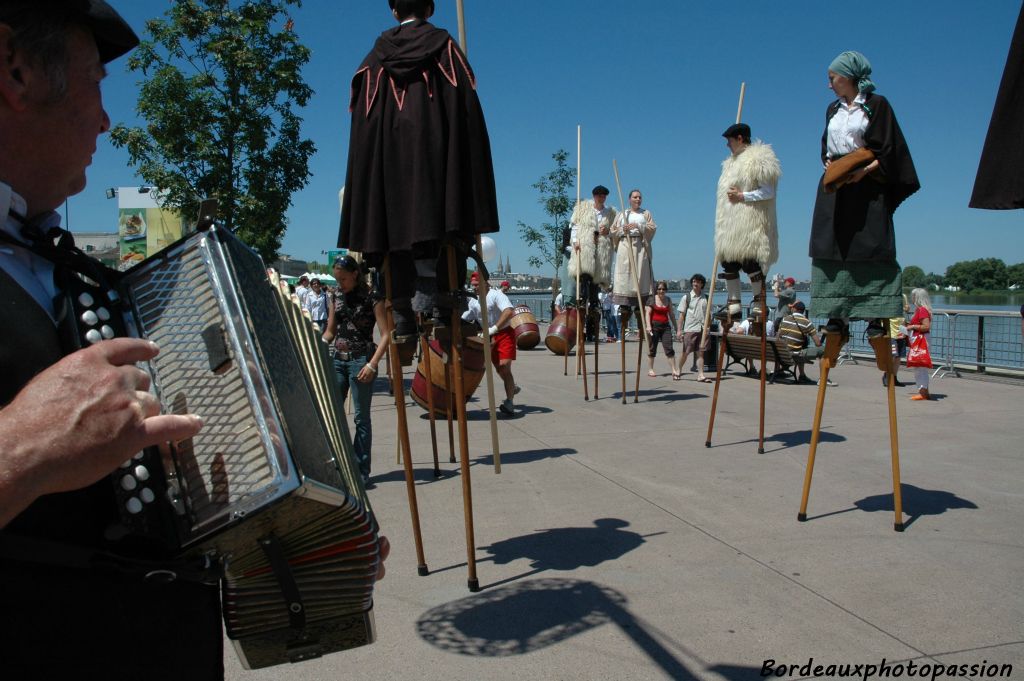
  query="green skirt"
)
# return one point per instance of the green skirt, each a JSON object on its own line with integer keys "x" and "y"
{"x": 857, "y": 290}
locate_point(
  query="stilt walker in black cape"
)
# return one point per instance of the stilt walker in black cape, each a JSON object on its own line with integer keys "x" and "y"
{"x": 1000, "y": 182}
{"x": 419, "y": 165}
{"x": 419, "y": 190}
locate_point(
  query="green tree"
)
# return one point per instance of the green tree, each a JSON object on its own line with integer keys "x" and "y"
{"x": 1015, "y": 274}
{"x": 554, "y": 196}
{"x": 913, "y": 276}
{"x": 222, "y": 84}
{"x": 932, "y": 280}
{"x": 984, "y": 273}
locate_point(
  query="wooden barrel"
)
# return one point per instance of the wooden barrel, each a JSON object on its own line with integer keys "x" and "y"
{"x": 473, "y": 373}
{"x": 562, "y": 332}
{"x": 524, "y": 326}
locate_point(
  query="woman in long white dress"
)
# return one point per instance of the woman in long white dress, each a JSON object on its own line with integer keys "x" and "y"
{"x": 633, "y": 230}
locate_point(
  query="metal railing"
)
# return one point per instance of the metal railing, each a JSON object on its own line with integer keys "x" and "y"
{"x": 959, "y": 339}
{"x": 975, "y": 340}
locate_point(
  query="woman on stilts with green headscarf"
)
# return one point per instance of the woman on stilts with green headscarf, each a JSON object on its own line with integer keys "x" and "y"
{"x": 854, "y": 272}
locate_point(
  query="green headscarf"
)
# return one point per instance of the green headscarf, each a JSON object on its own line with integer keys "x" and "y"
{"x": 856, "y": 66}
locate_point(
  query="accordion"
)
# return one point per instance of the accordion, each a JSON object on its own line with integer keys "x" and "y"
{"x": 269, "y": 488}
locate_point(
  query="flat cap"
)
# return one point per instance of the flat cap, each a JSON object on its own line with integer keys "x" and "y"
{"x": 600, "y": 189}
{"x": 737, "y": 129}
{"x": 114, "y": 37}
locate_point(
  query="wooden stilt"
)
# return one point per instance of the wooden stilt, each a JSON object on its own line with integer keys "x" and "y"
{"x": 623, "y": 323}
{"x": 642, "y": 328}
{"x": 718, "y": 383}
{"x": 460, "y": 410}
{"x": 833, "y": 345}
{"x": 764, "y": 376}
{"x": 597, "y": 345}
{"x": 884, "y": 359}
{"x": 583, "y": 348}
{"x": 403, "y": 429}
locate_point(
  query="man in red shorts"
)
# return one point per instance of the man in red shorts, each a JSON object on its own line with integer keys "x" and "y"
{"x": 503, "y": 340}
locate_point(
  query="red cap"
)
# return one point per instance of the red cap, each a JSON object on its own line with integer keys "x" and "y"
{"x": 505, "y": 283}
{"x": 790, "y": 280}
{"x": 475, "y": 276}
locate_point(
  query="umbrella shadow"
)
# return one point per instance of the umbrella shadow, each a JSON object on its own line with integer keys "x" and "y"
{"x": 535, "y": 614}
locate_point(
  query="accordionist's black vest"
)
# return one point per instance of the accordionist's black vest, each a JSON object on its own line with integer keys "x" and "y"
{"x": 28, "y": 345}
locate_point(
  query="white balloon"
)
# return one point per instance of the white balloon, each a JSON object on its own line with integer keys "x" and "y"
{"x": 488, "y": 249}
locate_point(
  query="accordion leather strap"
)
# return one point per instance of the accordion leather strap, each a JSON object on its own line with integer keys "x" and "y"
{"x": 271, "y": 546}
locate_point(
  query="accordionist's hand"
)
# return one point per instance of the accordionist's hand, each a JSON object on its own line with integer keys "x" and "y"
{"x": 385, "y": 551}
{"x": 79, "y": 419}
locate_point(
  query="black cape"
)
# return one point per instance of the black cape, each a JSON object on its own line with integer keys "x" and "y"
{"x": 419, "y": 162}
{"x": 855, "y": 223}
{"x": 1000, "y": 182}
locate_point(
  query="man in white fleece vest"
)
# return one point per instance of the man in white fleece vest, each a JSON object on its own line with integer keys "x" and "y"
{"x": 591, "y": 253}
{"x": 746, "y": 231}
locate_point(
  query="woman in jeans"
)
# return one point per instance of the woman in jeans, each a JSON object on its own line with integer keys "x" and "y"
{"x": 353, "y": 311}
{"x": 659, "y": 324}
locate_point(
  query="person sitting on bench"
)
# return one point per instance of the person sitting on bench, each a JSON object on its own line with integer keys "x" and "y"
{"x": 796, "y": 330}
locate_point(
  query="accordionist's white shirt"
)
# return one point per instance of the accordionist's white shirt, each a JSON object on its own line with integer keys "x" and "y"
{"x": 32, "y": 272}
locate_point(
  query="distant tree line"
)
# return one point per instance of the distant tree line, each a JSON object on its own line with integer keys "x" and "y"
{"x": 989, "y": 274}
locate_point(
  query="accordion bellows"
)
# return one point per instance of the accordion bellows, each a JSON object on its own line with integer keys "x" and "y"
{"x": 269, "y": 487}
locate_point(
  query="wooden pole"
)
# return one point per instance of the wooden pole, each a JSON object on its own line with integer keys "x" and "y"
{"x": 640, "y": 321}
{"x": 482, "y": 295}
{"x": 714, "y": 260}
{"x": 460, "y": 395}
{"x": 572, "y": 252}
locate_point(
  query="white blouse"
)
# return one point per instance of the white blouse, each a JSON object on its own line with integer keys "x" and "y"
{"x": 846, "y": 128}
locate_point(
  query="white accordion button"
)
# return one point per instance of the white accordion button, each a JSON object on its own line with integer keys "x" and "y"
{"x": 85, "y": 300}
{"x": 134, "y": 505}
{"x": 93, "y": 336}
{"x": 90, "y": 318}
{"x": 107, "y": 332}
{"x": 138, "y": 457}
{"x": 128, "y": 483}
{"x": 103, "y": 314}
{"x": 142, "y": 473}
{"x": 147, "y": 495}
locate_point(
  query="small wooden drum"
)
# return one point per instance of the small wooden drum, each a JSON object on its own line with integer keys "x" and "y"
{"x": 473, "y": 373}
{"x": 562, "y": 333}
{"x": 524, "y": 326}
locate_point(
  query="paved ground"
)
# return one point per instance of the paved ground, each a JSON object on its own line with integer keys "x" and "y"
{"x": 615, "y": 545}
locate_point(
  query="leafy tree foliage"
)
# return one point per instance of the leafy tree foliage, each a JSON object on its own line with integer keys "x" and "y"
{"x": 984, "y": 273}
{"x": 554, "y": 196}
{"x": 222, "y": 84}
{"x": 1015, "y": 274}
{"x": 913, "y": 276}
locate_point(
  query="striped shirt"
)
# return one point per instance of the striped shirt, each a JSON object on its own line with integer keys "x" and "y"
{"x": 796, "y": 330}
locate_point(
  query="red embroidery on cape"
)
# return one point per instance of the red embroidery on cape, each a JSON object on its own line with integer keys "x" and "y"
{"x": 426, "y": 81}
{"x": 373, "y": 82}
{"x": 399, "y": 93}
{"x": 447, "y": 67}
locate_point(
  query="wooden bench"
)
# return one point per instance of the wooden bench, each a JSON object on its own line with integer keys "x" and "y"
{"x": 740, "y": 348}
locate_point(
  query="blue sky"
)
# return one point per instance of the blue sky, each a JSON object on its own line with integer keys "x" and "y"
{"x": 653, "y": 85}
